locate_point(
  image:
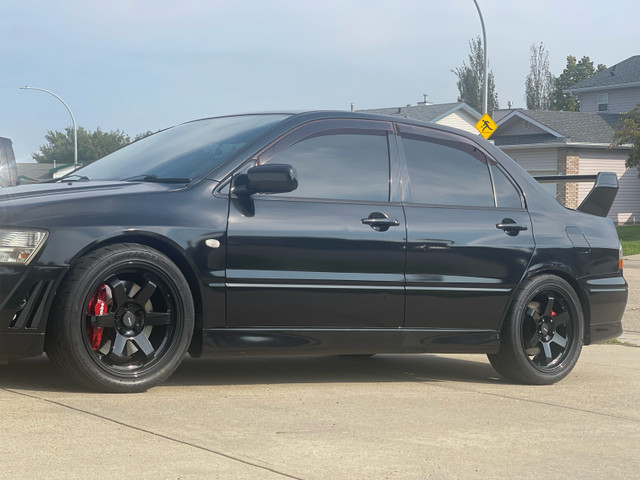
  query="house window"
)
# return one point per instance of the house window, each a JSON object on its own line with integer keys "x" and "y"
{"x": 603, "y": 102}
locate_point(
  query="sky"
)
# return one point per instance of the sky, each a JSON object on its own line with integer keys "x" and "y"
{"x": 138, "y": 65}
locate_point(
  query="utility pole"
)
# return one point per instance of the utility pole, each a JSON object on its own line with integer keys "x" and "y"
{"x": 485, "y": 83}
{"x": 73, "y": 120}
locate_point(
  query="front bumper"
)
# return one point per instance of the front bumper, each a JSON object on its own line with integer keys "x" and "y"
{"x": 20, "y": 345}
{"x": 607, "y": 299}
{"x": 26, "y": 295}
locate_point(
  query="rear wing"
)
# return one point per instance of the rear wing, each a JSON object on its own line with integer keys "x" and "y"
{"x": 599, "y": 199}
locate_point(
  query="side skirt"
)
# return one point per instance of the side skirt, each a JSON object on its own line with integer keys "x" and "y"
{"x": 321, "y": 341}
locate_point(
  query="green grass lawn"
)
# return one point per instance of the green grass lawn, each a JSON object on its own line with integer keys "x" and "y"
{"x": 630, "y": 239}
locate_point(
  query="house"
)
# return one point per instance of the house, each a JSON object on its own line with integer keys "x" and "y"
{"x": 614, "y": 90}
{"x": 547, "y": 142}
{"x": 457, "y": 115}
{"x": 39, "y": 172}
{"x": 550, "y": 143}
{"x": 34, "y": 172}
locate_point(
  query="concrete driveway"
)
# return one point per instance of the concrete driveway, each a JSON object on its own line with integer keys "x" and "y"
{"x": 631, "y": 320}
{"x": 390, "y": 416}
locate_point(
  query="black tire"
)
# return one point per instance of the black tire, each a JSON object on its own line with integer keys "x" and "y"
{"x": 543, "y": 333}
{"x": 122, "y": 319}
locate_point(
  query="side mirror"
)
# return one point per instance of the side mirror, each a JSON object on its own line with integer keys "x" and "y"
{"x": 269, "y": 178}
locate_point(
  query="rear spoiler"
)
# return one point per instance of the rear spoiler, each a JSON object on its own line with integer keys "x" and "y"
{"x": 600, "y": 198}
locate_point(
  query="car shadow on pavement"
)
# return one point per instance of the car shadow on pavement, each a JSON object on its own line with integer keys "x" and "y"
{"x": 38, "y": 374}
{"x": 334, "y": 369}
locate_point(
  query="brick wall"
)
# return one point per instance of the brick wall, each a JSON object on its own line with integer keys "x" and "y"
{"x": 568, "y": 164}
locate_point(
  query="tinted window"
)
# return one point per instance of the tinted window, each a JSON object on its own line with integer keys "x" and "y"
{"x": 345, "y": 166}
{"x": 507, "y": 196}
{"x": 190, "y": 150}
{"x": 446, "y": 173}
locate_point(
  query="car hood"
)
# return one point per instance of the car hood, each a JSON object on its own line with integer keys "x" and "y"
{"x": 50, "y": 204}
{"x": 58, "y": 188}
{"x": 77, "y": 188}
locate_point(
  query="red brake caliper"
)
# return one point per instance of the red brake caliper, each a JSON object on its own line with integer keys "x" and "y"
{"x": 97, "y": 306}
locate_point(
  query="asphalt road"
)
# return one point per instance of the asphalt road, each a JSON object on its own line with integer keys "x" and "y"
{"x": 385, "y": 417}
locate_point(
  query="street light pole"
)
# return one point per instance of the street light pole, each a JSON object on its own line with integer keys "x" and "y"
{"x": 75, "y": 128}
{"x": 485, "y": 84}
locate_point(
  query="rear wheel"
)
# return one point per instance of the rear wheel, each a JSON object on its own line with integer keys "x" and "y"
{"x": 123, "y": 319}
{"x": 542, "y": 335}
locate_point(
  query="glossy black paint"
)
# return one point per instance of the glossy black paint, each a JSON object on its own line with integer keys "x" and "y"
{"x": 461, "y": 268}
{"x": 314, "y": 264}
{"x": 291, "y": 275}
{"x": 323, "y": 341}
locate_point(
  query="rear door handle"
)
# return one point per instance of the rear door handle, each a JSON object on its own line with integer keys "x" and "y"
{"x": 379, "y": 221}
{"x": 510, "y": 226}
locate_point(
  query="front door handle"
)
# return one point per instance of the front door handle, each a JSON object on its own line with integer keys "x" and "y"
{"x": 510, "y": 226}
{"x": 379, "y": 221}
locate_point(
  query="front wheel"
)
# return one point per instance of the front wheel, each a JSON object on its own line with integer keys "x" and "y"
{"x": 123, "y": 319}
{"x": 543, "y": 333}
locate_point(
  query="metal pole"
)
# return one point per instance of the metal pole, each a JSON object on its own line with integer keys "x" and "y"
{"x": 75, "y": 127}
{"x": 485, "y": 83}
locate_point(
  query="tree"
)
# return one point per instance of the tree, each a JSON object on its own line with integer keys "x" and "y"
{"x": 627, "y": 130}
{"x": 573, "y": 73}
{"x": 142, "y": 135}
{"x": 91, "y": 145}
{"x": 470, "y": 79}
{"x": 540, "y": 82}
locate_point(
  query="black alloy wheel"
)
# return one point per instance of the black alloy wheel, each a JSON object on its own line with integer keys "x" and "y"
{"x": 547, "y": 330}
{"x": 124, "y": 319}
{"x": 543, "y": 333}
{"x": 138, "y": 323}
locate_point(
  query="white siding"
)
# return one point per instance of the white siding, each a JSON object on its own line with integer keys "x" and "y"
{"x": 620, "y": 100}
{"x": 536, "y": 159}
{"x": 589, "y": 102}
{"x": 460, "y": 119}
{"x": 541, "y": 161}
{"x": 626, "y": 207}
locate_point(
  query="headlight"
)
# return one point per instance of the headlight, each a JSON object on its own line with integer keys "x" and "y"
{"x": 20, "y": 246}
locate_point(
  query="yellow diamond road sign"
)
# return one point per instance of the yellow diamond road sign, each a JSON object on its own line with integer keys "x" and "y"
{"x": 486, "y": 126}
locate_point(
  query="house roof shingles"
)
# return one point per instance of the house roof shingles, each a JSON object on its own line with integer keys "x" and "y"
{"x": 574, "y": 127}
{"x": 425, "y": 113}
{"x": 625, "y": 73}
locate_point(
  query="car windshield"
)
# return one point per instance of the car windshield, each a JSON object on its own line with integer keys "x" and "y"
{"x": 188, "y": 151}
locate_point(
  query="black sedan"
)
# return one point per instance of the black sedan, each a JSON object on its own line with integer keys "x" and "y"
{"x": 307, "y": 233}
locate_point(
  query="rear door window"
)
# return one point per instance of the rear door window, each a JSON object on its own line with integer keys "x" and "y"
{"x": 507, "y": 195}
{"x": 445, "y": 172}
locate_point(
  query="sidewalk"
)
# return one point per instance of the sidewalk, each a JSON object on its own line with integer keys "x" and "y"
{"x": 632, "y": 338}
{"x": 631, "y": 319}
